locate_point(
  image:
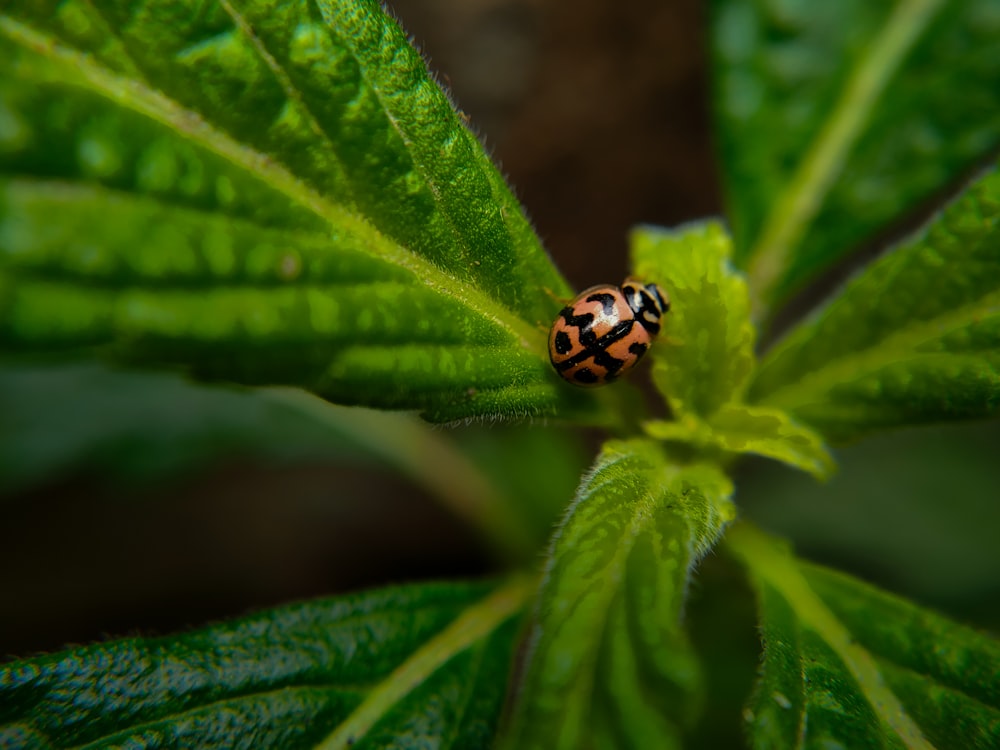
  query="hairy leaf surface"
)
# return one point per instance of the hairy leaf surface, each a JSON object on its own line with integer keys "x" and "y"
{"x": 418, "y": 664}
{"x": 609, "y": 664}
{"x": 836, "y": 119}
{"x": 266, "y": 193}
{"x": 705, "y": 352}
{"x": 846, "y": 664}
{"x": 914, "y": 338}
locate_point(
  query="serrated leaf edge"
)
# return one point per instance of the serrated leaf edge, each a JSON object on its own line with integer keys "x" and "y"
{"x": 642, "y": 516}
{"x": 136, "y": 96}
{"x": 770, "y": 562}
{"x": 802, "y": 197}
{"x": 472, "y": 625}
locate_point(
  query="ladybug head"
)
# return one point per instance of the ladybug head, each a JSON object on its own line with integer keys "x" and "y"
{"x": 648, "y": 303}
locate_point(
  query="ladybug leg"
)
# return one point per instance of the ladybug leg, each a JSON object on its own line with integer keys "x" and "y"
{"x": 552, "y": 295}
{"x": 563, "y": 301}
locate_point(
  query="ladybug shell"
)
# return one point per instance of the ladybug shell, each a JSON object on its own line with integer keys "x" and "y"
{"x": 596, "y": 338}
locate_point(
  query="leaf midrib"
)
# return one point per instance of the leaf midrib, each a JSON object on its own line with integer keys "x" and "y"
{"x": 899, "y": 346}
{"x": 643, "y": 516}
{"x": 795, "y": 207}
{"x": 425, "y": 178}
{"x": 284, "y": 80}
{"x": 775, "y": 567}
{"x": 184, "y": 123}
{"x": 472, "y": 625}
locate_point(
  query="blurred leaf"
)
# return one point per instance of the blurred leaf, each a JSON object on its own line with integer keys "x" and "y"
{"x": 431, "y": 460}
{"x": 420, "y": 664}
{"x": 83, "y": 416}
{"x": 267, "y": 195}
{"x": 914, "y": 509}
{"x": 738, "y": 428}
{"x": 915, "y": 338}
{"x": 609, "y": 664}
{"x": 535, "y": 467}
{"x": 848, "y": 665}
{"x": 836, "y": 119}
{"x": 57, "y": 419}
{"x": 721, "y": 618}
{"x": 705, "y": 352}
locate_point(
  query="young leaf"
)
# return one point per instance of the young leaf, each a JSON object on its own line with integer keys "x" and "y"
{"x": 705, "y": 352}
{"x": 609, "y": 664}
{"x": 738, "y": 428}
{"x": 835, "y": 120}
{"x": 848, "y": 665}
{"x": 263, "y": 194}
{"x": 914, "y": 338}
{"x": 424, "y": 664}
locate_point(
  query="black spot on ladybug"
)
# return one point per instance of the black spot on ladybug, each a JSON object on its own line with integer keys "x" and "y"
{"x": 596, "y": 348}
{"x": 607, "y": 301}
{"x": 653, "y": 326}
{"x": 582, "y": 323}
{"x": 609, "y": 363}
{"x": 563, "y": 343}
{"x": 585, "y": 359}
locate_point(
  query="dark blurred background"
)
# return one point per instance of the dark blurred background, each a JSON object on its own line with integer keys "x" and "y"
{"x": 598, "y": 113}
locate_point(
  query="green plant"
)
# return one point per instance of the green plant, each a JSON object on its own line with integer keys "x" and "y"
{"x": 277, "y": 194}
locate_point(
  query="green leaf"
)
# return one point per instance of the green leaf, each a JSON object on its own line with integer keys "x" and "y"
{"x": 915, "y": 338}
{"x": 705, "y": 357}
{"x": 836, "y": 120}
{"x": 142, "y": 426}
{"x": 738, "y": 428}
{"x": 423, "y": 664}
{"x": 848, "y": 665}
{"x": 705, "y": 352}
{"x": 609, "y": 663}
{"x": 266, "y": 195}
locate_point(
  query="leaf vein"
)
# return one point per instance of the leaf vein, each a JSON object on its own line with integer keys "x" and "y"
{"x": 136, "y": 96}
{"x": 899, "y": 346}
{"x": 797, "y": 205}
{"x": 175, "y": 716}
{"x": 778, "y": 569}
{"x": 475, "y": 623}
{"x": 435, "y": 191}
{"x": 284, "y": 79}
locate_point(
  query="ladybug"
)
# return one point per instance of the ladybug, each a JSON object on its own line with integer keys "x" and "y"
{"x": 604, "y": 332}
